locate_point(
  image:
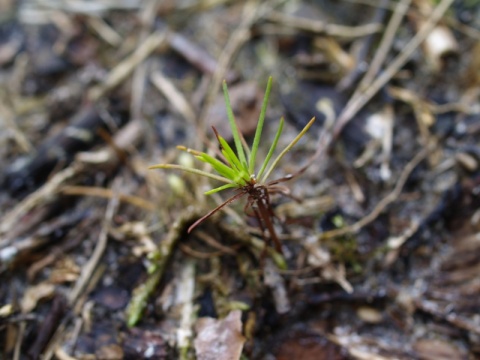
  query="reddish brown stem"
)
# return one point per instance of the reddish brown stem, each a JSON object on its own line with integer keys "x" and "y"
{"x": 210, "y": 213}
{"x": 266, "y": 218}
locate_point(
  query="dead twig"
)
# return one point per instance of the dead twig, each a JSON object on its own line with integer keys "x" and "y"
{"x": 44, "y": 194}
{"x": 48, "y": 193}
{"x": 199, "y": 254}
{"x": 356, "y": 103}
{"x": 214, "y": 243}
{"x": 18, "y": 342}
{"x": 105, "y": 31}
{"x": 108, "y": 194}
{"x": 147, "y": 17}
{"x": 100, "y": 247}
{"x": 175, "y": 97}
{"x": 56, "y": 252}
{"x": 385, "y": 45}
{"x": 8, "y": 116}
{"x": 322, "y": 27}
{"x": 125, "y": 68}
{"x": 453, "y": 318}
{"x": 196, "y": 55}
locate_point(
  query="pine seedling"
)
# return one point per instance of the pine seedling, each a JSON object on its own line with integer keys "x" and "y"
{"x": 237, "y": 169}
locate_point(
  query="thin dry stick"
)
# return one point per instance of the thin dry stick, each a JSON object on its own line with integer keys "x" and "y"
{"x": 381, "y": 206}
{"x": 323, "y": 27}
{"x": 8, "y": 116}
{"x": 42, "y": 195}
{"x": 355, "y": 104}
{"x": 251, "y": 13}
{"x": 18, "y": 343}
{"x": 123, "y": 69}
{"x": 200, "y": 254}
{"x": 147, "y": 16}
{"x": 105, "y": 31}
{"x": 127, "y": 137}
{"x": 385, "y": 45}
{"x": 100, "y": 247}
{"x": 214, "y": 243}
{"x": 108, "y": 193}
{"x": 174, "y": 96}
{"x": 389, "y": 5}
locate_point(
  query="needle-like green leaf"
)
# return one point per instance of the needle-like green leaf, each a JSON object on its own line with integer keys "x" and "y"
{"x": 218, "y": 166}
{"x": 287, "y": 149}
{"x": 272, "y": 149}
{"x": 258, "y": 131}
{"x": 233, "y": 125}
{"x": 232, "y": 159}
{"x": 220, "y": 188}
{"x": 230, "y": 156}
{"x": 192, "y": 171}
{"x": 235, "y": 171}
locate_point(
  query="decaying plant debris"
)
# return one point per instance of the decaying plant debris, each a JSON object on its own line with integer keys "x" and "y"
{"x": 380, "y": 240}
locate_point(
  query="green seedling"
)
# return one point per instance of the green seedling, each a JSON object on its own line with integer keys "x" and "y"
{"x": 237, "y": 169}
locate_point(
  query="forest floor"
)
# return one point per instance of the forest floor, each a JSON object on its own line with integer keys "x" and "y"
{"x": 380, "y": 238}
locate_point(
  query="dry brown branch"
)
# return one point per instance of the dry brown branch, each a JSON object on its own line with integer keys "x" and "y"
{"x": 356, "y": 103}
{"x": 174, "y": 96}
{"x": 125, "y": 68}
{"x": 43, "y": 195}
{"x": 197, "y": 55}
{"x": 105, "y": 31}
{"x": 108, "y": 194}
{"x": 18, "y": 343}
{"x": 8, "y": 116}
{"x": 460, "y": 322}
{"x": 100, "y": 247}
{"x": 147, "y": 17}
{"x": 322, "y": 27}
{"x": 423, "y": 115}
{"x": 210, "y": 240}
{"x": 34, "y": 9}
{"x": 52, "y": 256}
{"x": 384, "y": 47}
{"x": 49, "y": 192}
{"x": 199, "y": 254}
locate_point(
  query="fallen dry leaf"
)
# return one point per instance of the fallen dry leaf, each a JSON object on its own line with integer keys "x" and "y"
{"x": 34, "y": 294}
{"x": 219, "y": 339}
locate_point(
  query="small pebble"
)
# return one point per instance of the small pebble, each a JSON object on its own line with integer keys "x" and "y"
{"x": 369, "y": 315}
